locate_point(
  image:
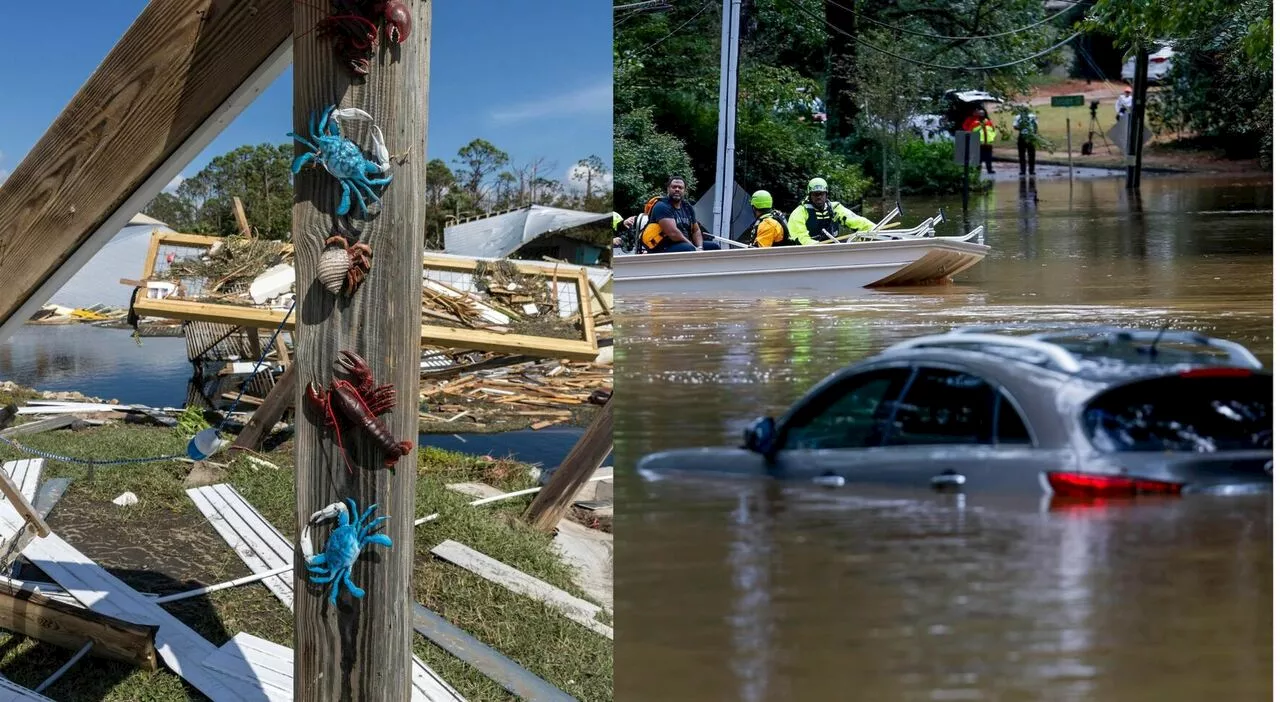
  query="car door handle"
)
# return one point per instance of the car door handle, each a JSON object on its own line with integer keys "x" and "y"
{"x": 947, "y": 479}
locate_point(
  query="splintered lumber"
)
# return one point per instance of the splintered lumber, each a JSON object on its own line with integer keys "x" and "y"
{"x": 584, "y": 458}
{"x": 182, "y": 649}
{"x": 575, "y": 608}
{"x": 68, "y": 626}
{"x": 182, "y": 71}
{"x": 432, "y": 335}
{"x": 269, "y": 412}
{"x": 18, "y": 482}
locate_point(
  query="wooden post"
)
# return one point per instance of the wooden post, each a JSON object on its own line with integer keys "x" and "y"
{"x": 1071, "y": 167}
{"x": 362, "y": 648}
{"x": 583, "y": 460}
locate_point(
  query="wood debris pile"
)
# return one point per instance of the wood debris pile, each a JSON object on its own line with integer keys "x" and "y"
{"x": 544, "y": 392}
{"x": 230, "y": 266}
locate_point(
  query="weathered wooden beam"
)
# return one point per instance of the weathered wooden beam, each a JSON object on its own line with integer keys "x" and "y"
{"x": 40, "y": 425}
{"x": 362, "y": 648}
{"x": 241, "y": 219}
{"x": 432, "y": 335}
{"x": 280, "y": 398}
{"x": 176, "y": 78}
{"x": 67, "y": 626}
{"x": 583, "y": 460}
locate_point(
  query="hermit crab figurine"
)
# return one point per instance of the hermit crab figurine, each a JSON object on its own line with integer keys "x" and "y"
{"x": 333, "y": 566}
{"x": 354, "y": 28}
{"x": 343, "y": 160}
{"x": 343, "y": 266}
{"x": 360, "y": 404}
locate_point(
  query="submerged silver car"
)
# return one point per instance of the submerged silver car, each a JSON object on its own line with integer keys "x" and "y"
{"x": 1084, "y": 412}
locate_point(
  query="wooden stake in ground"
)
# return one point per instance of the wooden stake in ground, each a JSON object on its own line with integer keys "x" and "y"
{"x": 359, "y": 649}
{"x": 583, "y": 460}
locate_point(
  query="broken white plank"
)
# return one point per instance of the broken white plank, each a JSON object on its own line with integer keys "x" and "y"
{"x": 257, "y": 543}
{"x": 576, "y": 608}
{"x": 67, "y": 408}
{"x": 475, "y": 489}
{"x": 11, "y": 691}
{"x": 182, "y": 649}
{"x": 263, "y": 548}
{"x": 25, "y": 474}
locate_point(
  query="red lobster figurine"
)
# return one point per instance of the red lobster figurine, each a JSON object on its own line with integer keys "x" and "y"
{"x": 360, "y": 404}
{"x": 354, "y": 25}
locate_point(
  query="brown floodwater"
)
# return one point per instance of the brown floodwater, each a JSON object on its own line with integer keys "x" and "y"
{"x": 743, "y": 589}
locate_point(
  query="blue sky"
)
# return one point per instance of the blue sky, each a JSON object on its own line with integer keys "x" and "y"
{"x": 536, "y": 83}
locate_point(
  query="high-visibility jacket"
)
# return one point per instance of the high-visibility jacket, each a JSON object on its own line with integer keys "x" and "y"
{"x": 986, "y": 132}
{"x": 807, "y": 223}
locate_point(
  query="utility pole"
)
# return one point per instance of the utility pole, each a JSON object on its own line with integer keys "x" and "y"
{"x": 360, "y": 648}
{"x": 1137, "y": 117}
{"x": 722, "y": 208}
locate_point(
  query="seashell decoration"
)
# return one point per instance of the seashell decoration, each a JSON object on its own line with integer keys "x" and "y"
{"x": 332, "y": 270}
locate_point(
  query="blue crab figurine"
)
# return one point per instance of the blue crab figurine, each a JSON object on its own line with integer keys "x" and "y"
{"x": 343, "y": 548}
{"x": 342, "y": 159}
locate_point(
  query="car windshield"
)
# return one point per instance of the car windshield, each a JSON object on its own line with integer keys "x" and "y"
{"x": 1178, "y": 413}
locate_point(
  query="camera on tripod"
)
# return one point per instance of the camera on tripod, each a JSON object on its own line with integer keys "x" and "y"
{"x": 1093, "y": 108}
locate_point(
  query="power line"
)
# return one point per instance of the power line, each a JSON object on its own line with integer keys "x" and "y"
{"x": 873, "y": 47}
{"x": 929, "y": 35}
{"x": 673, "y": 32}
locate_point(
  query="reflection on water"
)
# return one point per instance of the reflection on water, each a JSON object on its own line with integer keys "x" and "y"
{"x": 749, "y": 590}
{"x": 105, "y": 363}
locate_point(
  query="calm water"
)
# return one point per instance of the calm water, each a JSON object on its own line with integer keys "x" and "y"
{"x": 746, "y": 590}
{"x": 105, "y": 363}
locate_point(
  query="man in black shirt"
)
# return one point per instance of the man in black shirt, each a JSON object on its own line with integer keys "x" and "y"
{"x": 673, "y": 226}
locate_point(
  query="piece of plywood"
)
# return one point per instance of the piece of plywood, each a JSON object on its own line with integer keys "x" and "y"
{"x": 431, "y": 335}
{"x": 181, "y": 72}
{"x": 263, "y": 548}
{"x": 576, "y": 608}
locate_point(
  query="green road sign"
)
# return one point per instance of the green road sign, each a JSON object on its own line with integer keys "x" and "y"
{"x": 1066, "y": 101}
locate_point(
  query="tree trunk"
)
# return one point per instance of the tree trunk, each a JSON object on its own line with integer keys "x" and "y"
{"x": 360, "y": 649}
{"x": 842, "y": 87}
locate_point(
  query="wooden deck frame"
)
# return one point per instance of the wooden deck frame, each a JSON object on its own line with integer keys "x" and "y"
{"x": 177, "y": 77}
{"x": 432, "y": 335}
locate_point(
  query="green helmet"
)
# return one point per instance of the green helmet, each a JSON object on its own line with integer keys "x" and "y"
{"x": 817, "y": 185}
{"x": 617, "y": 219}
{"x": 762, "y": 200}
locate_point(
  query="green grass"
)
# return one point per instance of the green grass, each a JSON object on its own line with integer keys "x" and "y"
{"x": 163, "y": 544}
{"x": 1053, "y": 125}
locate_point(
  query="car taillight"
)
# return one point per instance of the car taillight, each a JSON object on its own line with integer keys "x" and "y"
{"x": 1094, "y": 485}
{"x": 1216, "y": 373}
{"x": 1158, "y": 59}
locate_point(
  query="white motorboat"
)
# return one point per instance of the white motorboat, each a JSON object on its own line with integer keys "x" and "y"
{"x": 889, "y": 258}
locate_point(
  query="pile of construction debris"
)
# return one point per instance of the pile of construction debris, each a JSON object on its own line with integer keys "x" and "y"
{"x": 541, "y": 392}
{"x": 58, "y": 314}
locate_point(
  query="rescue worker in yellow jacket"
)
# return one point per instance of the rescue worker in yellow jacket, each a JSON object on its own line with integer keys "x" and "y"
{"x": 770, "y": 227}
{"x": 817, "y": 219}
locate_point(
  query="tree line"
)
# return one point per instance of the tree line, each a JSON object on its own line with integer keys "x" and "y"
{"x": 482, "y": 179}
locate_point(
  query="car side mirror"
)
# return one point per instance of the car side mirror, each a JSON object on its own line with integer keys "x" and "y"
{"x": 759, "y": 436}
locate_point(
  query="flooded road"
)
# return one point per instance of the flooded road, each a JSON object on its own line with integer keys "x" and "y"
{"x": 746, "y": 590}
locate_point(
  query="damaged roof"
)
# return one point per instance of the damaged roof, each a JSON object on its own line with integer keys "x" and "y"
{"x": 500, "y": 235}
